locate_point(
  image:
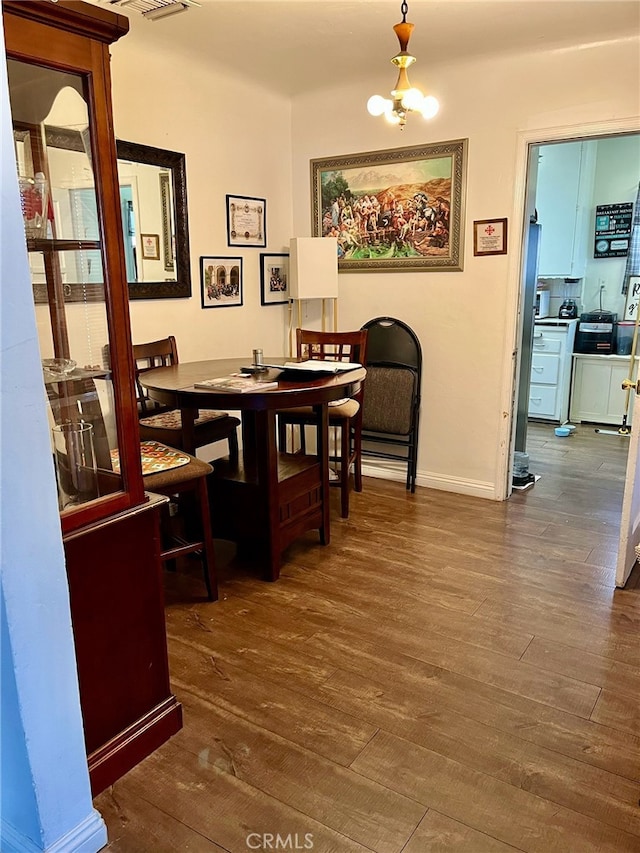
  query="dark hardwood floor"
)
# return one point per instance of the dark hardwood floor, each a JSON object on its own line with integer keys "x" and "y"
{"x": 450, "y": 674}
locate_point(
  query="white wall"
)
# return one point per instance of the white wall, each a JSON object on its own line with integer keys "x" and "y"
{"x": 237, "y": 140}
{"x": 464, "y": 320}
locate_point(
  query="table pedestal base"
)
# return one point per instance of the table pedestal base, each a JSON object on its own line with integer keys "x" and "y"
{"x": 242, "y": 509}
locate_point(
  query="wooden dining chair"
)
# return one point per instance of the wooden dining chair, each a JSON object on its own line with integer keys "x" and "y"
{"x": 77, "y": 400}
{"x": 159, "y": 423}
{"x": 345, "y": 416}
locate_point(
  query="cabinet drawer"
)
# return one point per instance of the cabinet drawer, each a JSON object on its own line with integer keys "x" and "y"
{"x": 543, "y": 342}
{"x": 545, "y": 368}
{"x": 542, "y": 401}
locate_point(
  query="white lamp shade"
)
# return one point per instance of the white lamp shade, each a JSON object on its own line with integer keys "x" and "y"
{"x": 313, "y": 268}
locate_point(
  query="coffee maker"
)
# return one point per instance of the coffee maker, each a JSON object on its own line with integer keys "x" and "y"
{"x": 569, "y": 308}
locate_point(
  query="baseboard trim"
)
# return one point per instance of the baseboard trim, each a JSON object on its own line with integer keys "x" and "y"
{"x": 136, "y": 742}
{"x": 89, "y": 836}
{"x": 398, "y": 473}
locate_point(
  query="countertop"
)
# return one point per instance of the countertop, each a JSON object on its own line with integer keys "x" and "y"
{"x": 554, "y": 321}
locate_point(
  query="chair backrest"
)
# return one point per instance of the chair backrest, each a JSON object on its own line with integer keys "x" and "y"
{"x": 162, "y": 353}
{"x": 332, "y": 346}
{"x": 391, "y": 342}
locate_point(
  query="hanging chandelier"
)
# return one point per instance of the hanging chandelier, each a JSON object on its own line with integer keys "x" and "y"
{"x": 406, "y": 98}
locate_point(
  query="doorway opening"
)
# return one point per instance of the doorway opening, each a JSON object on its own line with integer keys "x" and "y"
{"x": 565, "y": 381}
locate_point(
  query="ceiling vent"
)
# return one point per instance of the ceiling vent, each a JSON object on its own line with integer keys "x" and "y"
{"x": 153, "y": 10}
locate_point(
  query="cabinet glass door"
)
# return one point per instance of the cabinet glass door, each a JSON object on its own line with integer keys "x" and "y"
{"x": 55, "y": 163}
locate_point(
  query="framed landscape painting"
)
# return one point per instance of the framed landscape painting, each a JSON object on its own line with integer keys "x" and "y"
{"x": 399, "y": 209}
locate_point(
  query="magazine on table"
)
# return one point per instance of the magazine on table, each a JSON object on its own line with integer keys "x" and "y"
{"x": 236, "y": 383}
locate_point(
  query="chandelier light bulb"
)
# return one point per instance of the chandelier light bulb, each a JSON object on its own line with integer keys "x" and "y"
{"x": 377, "y": 105}
{"x": 430, "y": 107}
{"x": 406, "y": 98}
{"x": 413, "y": 99}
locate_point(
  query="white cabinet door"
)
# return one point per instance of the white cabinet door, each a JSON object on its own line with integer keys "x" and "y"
{"x": 597, "y": 394}
{"x": 563, "y": 195}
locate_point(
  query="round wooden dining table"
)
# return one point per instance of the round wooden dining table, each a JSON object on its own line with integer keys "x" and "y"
{"x": 269, "y": 497}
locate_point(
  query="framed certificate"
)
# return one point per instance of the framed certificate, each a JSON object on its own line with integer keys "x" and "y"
{"x": 246, "y": 221}
{"x": 490, "y": 237}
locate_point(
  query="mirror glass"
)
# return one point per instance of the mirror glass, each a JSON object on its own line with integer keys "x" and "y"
{"x": 153, "y": 200}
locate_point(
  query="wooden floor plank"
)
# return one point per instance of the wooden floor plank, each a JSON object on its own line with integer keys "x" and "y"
{"x": 551, "y": 689}
{"x": 131, "y": 818}
{"x": 438, "y": 833}
{"x": 619, "y": 711}
{"x": 368, "y": 813}
{"x": 428, "y": 719}
{"x": 216, "y": 804}
{"x": 304, "y": 721}
{"x": 576, "y": 663}
{"x": 503, "y": 811}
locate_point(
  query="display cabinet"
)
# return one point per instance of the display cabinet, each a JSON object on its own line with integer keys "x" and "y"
{"x": 59, "y": 87}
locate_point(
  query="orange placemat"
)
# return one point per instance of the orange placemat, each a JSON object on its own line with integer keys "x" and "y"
{"x": 155, "y": 457}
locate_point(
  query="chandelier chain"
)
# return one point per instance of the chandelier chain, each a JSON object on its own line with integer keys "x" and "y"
{"x": 404, "y": 8}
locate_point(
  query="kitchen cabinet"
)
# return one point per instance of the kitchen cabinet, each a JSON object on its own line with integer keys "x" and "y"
{"x": 564, "y": 194}
{"x": 596, "y": 391}
{"x": 552, "y": 347}
{"x": 60, "y": 89}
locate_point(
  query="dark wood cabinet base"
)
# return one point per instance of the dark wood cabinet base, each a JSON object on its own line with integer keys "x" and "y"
{"x": 117, "y": 613}
{"x": 136, "y": 742}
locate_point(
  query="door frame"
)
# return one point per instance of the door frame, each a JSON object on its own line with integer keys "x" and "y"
{"x": 513, "y": 306}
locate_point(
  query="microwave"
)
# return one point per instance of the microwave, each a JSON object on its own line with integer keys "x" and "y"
{"x": 542, "y": 304}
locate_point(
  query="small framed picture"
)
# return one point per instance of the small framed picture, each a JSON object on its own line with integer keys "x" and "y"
{"x": 150, "y": 247}
{"x": 274, "y": 279}
{"x": 220, "y": 282}
{"x": 246, "y": 221}
{"x": 490, "y": 237}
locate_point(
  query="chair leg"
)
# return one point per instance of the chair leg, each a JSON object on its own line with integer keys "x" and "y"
{"x": 282, "y": 435}
{"x": 208, "y": 559}
{"x": 345, "y": 446}
{"x": 357, "y": 460}
{"x": 234, "y": 452}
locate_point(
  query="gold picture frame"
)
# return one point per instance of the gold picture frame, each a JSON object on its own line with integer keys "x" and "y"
{"x": 397, "y": 209}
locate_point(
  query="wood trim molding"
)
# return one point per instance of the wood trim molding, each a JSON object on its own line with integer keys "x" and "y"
{"x": 80, "y": 18}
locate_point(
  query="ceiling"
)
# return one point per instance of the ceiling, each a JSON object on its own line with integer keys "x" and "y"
{"x": 294, "y": 46}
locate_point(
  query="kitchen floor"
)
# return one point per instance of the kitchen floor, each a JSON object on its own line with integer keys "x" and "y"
{"x": 449, "y": 674}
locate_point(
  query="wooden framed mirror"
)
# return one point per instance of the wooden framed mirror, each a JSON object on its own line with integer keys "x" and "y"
{"x": 153, "y": 198}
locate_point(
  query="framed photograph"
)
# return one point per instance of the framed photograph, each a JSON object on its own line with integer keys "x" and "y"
{"x": 490, "y": 237}
{"x": 246, "y": 221}
{"x": 220, "y": 282}
{"x": 274, "y": 279}
{"x": 400, "y": 209}
{"x": 150, "y": 247}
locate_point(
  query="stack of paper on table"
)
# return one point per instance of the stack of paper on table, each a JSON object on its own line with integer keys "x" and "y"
{"x": 236, "y": 383}
{"x": 317, "y": 366}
